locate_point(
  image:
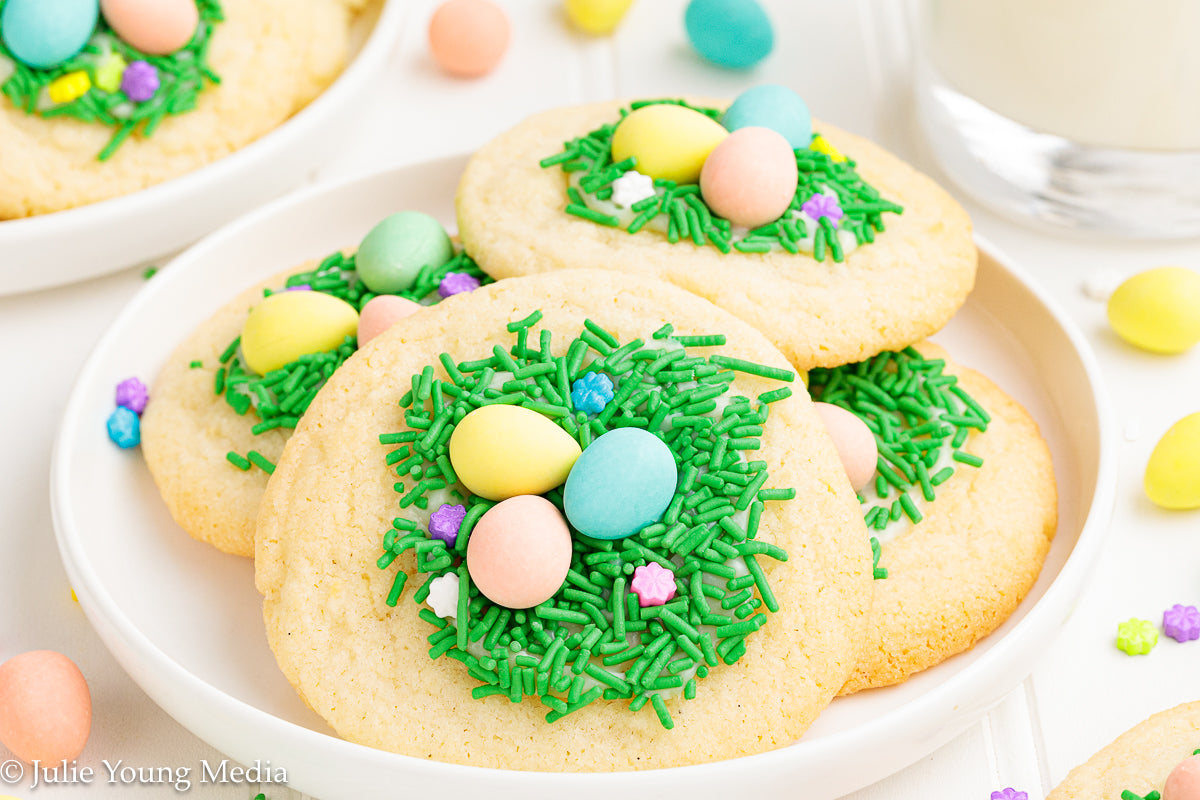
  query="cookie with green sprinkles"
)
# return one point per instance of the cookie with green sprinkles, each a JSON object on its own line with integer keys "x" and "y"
{"x": 213, "y": 428}
{"x": 896, "y": 265}
{"x": 718, "y": 626}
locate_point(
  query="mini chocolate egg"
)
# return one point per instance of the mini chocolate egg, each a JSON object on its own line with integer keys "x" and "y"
{"x": 623, "y": 482}
{"x": 519, "y": 551}
{"x": 45, "y": 33}
{"x": 1184, "y": 781}
{"x": 729, "y": 33}
{"x": 1173, "y": 471}
{"x": 854, "y": 441}
{"x": 600, "y": 17}
{"x": 157, "y": 27}
{"x": 668, "y": 141}
{"x": 393, "y": 252}
{"x": 381, "y": 313}
{"x": 1158, "y": 310}
{"x": 500, "y": 451}
{"x": 771, "y": 106}
{"x": 750, "y": 178}
{"x": 45, "y": 707}
{"x": 288, "y": 325}
{"x": 468, "y": 37}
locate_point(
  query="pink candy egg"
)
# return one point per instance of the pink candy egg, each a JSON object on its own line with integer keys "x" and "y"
{"x": 750, "y": 177}
{"x": 45, "y": 707}
{"x": 519, "y": 551}
{"x": 468, "y": 37}
{"x": 381, "y": 313}
{"x": 1184, "y": 781}
{"x": 157, "y": 27}
{"x": 854, "y": 442}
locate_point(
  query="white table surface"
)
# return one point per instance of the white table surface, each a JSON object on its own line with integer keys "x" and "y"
{"x": 1082, "y": 693}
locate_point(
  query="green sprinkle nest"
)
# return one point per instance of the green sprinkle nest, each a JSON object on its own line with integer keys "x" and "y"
{"x": 279, "y": 398}
{"x": 921, "y": 418}
{"x": 681, "y": 208}
{"x": 182, "y": 76}
{"x": 592, "y": 640}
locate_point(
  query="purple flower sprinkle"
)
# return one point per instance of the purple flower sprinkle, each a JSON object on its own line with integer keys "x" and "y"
{"x": 457, "y": 283}
{"x": 1009, "y": 793}
{"x": 140, "y": 81}
{"x": 445, "y": 522}
{"x": 1182, "y": 623}
{"x": 299, "y": 287}
{"x": 132, "y": 394}
{"x": 822, "y": 205}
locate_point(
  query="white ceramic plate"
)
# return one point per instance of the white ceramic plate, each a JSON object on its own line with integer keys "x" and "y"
{"x": 99, "y": 238}
{"x": 185, "y": 620}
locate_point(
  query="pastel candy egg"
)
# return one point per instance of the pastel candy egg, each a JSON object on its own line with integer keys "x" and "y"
{"x": 45, "y": 707}
{"x": 157, "y": 27}
{"x": 381, "y": 313}
{"x": 854, "y": 441}
{"x": 775, "y": 107}
{"x": 1184, "y": 781}
{"x": 1173, "y": 472}
{"x": 519, "y": 551}
{"x": 623, "y": 482}
{"x": 393, "y": 252}
{"x": 468, "y": 37}
{"x": 750, "y": 178}
{"x": 501, "y": 451}
{"x": 669, "y": 141}
{"x": 730, "y": 33}
{"x": 288, "y": 325}
{"x": 597, "y": 16}
{"x": 45, "y": 33}
{"x": 1158, "y": 310}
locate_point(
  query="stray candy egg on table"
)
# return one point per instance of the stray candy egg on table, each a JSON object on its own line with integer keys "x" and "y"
{"x": 45, "y": 33}
{"x": 1173, "y": 472}
{"x": 854, "y": 441}
{"x": 157, "y": 27}
{"x": 1158, "y": 310}
{"x": 501, "y": 451}
{"x": 468, "y": 37}
{"x": 729, "y": 33}
{"x": 381, "y": 313}
{"x": 288, "y": 325}
{"x": 394, "y": 251}
{"x": 771, "y": 106}
{"x": 519, "y": 551}
{"x": 597, "y": 16}
{"x": 668, "y": 141}
{"x": 46, "y": 707}
{"x": 750, "y": 177}
{"x": 1184, "y": 781}
{"x": 623, "y": 482}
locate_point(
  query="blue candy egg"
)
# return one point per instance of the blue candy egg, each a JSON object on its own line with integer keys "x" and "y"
{"x": 731, "y": 33}
{"x": 775, "y": 107}
{"x": 45, "y": 33}
{"x": 623, "y": 482}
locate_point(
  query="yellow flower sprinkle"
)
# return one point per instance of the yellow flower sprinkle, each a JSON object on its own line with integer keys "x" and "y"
{"x": 69, "y": 87}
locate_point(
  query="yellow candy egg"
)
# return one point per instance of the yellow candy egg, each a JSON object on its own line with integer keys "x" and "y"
{"x": 1158, "y": 310}
{"x": 287, "y": 325}
{"x": 669, "y": 142}
{"x": 597, "y": 16}
{"x": 1173, "y": 472}
{"x": 502, "y": 451}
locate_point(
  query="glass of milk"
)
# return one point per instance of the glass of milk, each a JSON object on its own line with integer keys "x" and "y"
{"x": 1083, "y": 113}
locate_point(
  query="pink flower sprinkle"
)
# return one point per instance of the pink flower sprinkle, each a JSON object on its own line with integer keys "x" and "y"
{"x": 1182, "y": 623}
{"x": 653, "y": 584}
{"x": 1009, "y": 793}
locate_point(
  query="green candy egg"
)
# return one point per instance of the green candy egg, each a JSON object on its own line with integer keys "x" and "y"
{"x": 395, "y": 250}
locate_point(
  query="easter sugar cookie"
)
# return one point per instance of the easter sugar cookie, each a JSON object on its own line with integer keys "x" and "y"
{"x": 226, "y": 401}
{"x": 961, "y": 506}
{"x": 101, "y": 100}
{"x": 724, "y": 589}
{"x": 832, "y": 247}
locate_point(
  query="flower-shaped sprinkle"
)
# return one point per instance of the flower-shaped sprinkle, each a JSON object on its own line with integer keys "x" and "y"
{"x": 443, "y": 595}
{"x": 132, "y": 394}
{"x": 140, "y": 81}
{"x": 632, "y": 187}
{"x": 822, "y": 145}
{"x": 109, "y": 72}
{"x": 592, "y": 392}
{"x": 457, "y": 283}
{"x": 1136, "y": 636}
{"x": 654, "y": 585}
{"x": 1009, "y": 793}
{"x": 822, "y": 205}
{"x": 299, "y": 287}
{"x": 124, "y": 428}
{"x": 1182, "y": 623}
{"x": 445, "y": 523}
